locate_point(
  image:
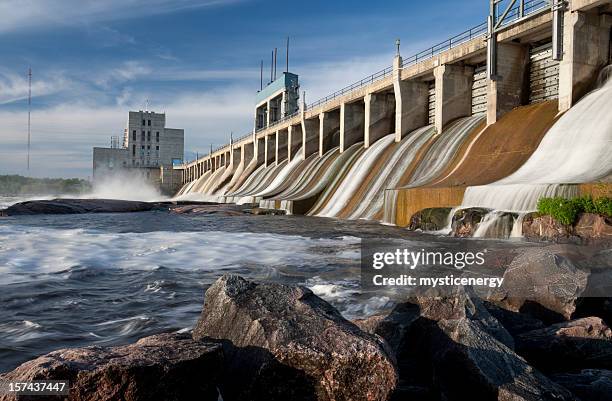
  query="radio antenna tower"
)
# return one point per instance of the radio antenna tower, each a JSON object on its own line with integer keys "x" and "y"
{"x": 29, "y": 113}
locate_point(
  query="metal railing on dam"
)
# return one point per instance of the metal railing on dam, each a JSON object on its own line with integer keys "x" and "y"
{"x": 516, "y": 14}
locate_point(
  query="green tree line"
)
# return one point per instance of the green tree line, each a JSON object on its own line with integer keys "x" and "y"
{"x": 19, "y": 185}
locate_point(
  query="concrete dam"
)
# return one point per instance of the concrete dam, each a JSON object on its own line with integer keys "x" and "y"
{"x": 512, "y": 110}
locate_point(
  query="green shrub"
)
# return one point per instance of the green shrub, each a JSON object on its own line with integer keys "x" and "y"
{"x": 603, "y": 206}
{"x": 566, "y": 211}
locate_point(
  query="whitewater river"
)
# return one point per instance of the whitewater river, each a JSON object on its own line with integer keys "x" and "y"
{"x": 109, "y": 279}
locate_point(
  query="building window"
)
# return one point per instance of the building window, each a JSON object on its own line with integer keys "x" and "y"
{"x": 149, "y": 136}
{"x": 149, "y": 123}
{"x": 148, "y": 147}
{"x": 142, "y": 136}
{"x": 133, "y": 150}
{"x": 157, "y": 136}
{"x": 134, "y": 135}
{"x": 157, "y": 147}
{"x": 142, "y": 147}
{"x": 143, "y": 122}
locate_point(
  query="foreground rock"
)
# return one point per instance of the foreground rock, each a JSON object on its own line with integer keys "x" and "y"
{"x": 285, "y": 343}
{"x": 581, "y": 343}
{"x": 542, "y": 283}
{"x": 452, "y": 348}
{"x": 79, "y": 206}
{"x": 161, "y": 367}
{"x": 589, "y": 384}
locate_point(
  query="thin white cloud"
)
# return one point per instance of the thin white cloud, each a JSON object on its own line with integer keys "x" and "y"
{"x": 37, "y": 14}
{"x": 14, "y": 87}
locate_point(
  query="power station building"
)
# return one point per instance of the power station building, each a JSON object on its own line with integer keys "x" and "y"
{"x": 148, "y": 148}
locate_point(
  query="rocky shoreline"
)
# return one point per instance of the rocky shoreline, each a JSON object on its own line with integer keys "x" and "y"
{"x": 265, "y": 341}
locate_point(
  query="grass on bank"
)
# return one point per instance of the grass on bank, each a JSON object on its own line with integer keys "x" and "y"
{"x": 566, "y": 211}
{"x": 20, "y": 185}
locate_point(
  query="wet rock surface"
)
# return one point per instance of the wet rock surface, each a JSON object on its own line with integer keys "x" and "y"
{"x": 581, "y": 343}
{"x": 588, "y": 384}
{"x": 286, "y": 343}
{"x": 80, "y": 206}
{"x": 465, "y": 221}
{"x": 161, "y": 367}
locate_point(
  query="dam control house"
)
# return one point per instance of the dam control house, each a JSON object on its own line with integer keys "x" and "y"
{"x": 148, "y": 148}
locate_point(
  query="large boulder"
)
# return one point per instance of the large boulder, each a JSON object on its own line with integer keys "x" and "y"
{"x": 588, "y": 384}
{"x": 161, "y": 367}
{"x": 285, "y": 343}
{"x": 78, "y": 206}
{"x": 542, "y": 282}
{"x": 581, "y": 343}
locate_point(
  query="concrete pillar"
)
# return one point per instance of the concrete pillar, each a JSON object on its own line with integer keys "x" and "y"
{"x": 379, "y": 117}
{"x": 247, "y": 152}
{"x": 352, "y": 122}
{"x": 506, "y": 91}
{"x": 411, "y": 102}
{"x": 294, "y": 140}
{"x": 586, "y": 49}
{"x": 453, "y": 93}
{"x": 270, "y": 153}
{"x": 236, "y": 156}
{"x": 310, "y": 136}
{"x": 282, "y": 151}
{"x": 329, "y": 130}
{"x": 260, "y": 151}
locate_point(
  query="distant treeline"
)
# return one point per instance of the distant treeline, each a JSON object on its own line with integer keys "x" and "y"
{"x": 19, "y": 185}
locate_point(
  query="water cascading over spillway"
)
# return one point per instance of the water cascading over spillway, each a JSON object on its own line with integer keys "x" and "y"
{"x": 335, "y": 199}
{"x": 372, "y": 197}
{"x": 437, "y": 154}
{"x": 577, "y": 149}
{"x": 285, "y": 176}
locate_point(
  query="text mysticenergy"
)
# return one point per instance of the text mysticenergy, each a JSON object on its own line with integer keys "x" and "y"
{"x": 406, "y": 280}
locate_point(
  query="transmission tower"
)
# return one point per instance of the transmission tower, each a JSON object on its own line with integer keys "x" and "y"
{"x": 29, "y": 113}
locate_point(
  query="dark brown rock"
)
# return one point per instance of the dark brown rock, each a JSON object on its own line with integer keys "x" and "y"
{"x": 465, "y": 221}
{"x": 588, "y": 384}
{"x": 588, "y": 226}
{"x": 79, "y": 206}
{"x": 581, "y": 343}
{"x": 542, "y": 282}
{"x": 431, "y": 219}
{"x": 161, "y": 367}
{"x": 285, "y": 343}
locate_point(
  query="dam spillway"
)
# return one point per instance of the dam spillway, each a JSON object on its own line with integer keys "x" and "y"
{"x": 459, "y": 124}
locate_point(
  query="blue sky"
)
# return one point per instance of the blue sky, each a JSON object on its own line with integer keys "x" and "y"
{"x": 198, "y": 61}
